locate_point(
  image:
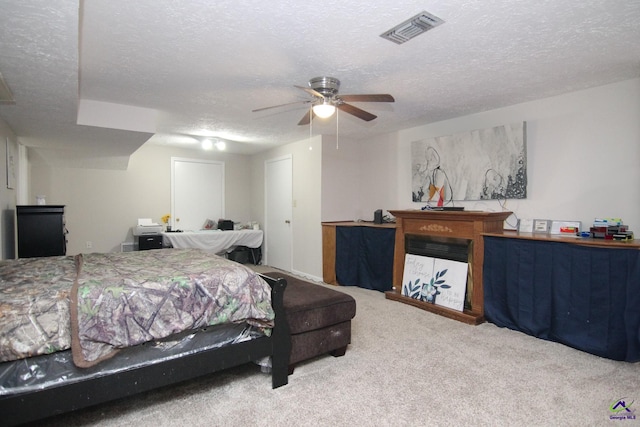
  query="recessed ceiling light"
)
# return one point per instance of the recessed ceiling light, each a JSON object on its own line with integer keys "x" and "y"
{"x": 221, "y": 145}
{"x": 207, "y": 144}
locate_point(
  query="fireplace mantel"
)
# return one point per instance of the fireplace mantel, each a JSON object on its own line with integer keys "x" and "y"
{"x": 469, "y": 225}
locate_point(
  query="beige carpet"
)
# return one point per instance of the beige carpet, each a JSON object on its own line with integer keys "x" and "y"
{"x": 405, "y": 367}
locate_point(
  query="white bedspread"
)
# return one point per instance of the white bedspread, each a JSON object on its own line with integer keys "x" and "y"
{"x": 215, "y": 241}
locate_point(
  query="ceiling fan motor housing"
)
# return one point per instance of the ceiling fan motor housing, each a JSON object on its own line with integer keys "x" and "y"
{"x": 327, "y": 86}
{"x": 324, "y": 91}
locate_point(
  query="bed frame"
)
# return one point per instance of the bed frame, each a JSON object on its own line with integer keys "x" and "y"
{"x": 61, "y": 398}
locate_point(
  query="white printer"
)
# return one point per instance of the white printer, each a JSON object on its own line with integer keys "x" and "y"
{"x": 145, "y": 227}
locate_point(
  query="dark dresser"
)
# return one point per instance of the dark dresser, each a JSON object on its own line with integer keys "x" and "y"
{"x": 41, "y": 231}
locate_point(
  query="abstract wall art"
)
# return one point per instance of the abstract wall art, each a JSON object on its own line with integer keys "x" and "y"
{"x": 476, "y": 165}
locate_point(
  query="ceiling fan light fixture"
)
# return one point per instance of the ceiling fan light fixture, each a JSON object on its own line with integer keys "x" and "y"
{"x": 325, "y": 100}
{"x": 324, "y": 110}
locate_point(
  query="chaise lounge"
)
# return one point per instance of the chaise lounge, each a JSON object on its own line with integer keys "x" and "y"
{"x": 319, "y": 319}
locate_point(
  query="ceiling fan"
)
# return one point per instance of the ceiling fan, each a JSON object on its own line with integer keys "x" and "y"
{"x": 326, "y": 99}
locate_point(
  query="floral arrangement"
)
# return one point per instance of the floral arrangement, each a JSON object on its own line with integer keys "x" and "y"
{"x": 165, "y": 218}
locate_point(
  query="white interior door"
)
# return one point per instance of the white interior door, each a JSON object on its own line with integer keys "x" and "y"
{"x": 278, "y": 212}
{"x": 197, "y": 192}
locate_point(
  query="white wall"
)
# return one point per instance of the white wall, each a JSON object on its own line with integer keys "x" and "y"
{"x": 7, "y": 195}
{"x": 379, "y": 175}
{"x": 342, "y": 166}
{"x": 103, "y": 205}
{"x": 583, "y": 157}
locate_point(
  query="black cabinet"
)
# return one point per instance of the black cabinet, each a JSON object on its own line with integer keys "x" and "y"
{"x": 149, "y": 241}
{"x": 41, "y": 231}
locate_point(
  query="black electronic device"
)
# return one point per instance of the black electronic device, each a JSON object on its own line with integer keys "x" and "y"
{"x": 445, "y": 208}
{"x": 377, "y": 217}
{"x": 225, "y": 224}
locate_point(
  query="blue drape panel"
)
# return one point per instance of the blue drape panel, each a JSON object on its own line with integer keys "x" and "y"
{"x": 585, "y": 297}
{"x": 364, "y": 257}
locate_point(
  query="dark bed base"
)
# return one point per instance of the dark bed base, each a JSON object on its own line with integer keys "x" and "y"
{"x": 27, "y": 407}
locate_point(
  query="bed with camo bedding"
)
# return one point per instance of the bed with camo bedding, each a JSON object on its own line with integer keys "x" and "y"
{"x": 80, "y": 330}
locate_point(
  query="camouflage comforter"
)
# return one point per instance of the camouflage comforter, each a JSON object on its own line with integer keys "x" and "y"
{"x": 116, "y": 300}
{"x": 34, "y": 306}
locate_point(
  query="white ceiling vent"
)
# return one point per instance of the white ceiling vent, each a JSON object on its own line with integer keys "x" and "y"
{"x": 421, "y": 23}
{"x": 5, "y": 94}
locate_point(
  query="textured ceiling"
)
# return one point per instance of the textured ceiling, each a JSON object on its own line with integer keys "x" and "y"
{"x": 94, "y": 80}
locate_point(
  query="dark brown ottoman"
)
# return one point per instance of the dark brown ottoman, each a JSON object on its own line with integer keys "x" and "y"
{"x": 319, "y": 319}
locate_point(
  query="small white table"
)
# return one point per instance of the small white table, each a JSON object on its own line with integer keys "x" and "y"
{"x": 215, "y": 241}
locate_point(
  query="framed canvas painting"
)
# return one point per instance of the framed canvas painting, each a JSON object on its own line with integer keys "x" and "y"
{"x": 435, "y": 280}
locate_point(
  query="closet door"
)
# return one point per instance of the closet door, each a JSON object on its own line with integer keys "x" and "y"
{"x": 278, "y": 250}
{"x": 197, "y": 192}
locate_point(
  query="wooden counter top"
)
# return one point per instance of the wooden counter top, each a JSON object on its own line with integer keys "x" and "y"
{"x": 587, "y": 241}
{"x": 358, "y": 224}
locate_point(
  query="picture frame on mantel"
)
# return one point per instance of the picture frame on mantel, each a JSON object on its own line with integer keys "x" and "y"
{"x": 541, "y": 226}
{"x": 525, "y": 226}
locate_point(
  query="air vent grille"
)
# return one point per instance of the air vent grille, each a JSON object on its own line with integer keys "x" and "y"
{"x": 5, "y": 94}
{"x": 421, "y": 23}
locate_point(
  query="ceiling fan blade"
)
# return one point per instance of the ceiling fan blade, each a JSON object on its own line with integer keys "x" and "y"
{"x": 310, "y": 91}
{"x": 361, "y": 114}
{"x": 306, "y": 119}
{"x": 377, "y": 97}
{"x": 281, "y": 105}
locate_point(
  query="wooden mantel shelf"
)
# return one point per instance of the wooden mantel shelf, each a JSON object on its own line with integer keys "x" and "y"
{"x": 469, "y": 225}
